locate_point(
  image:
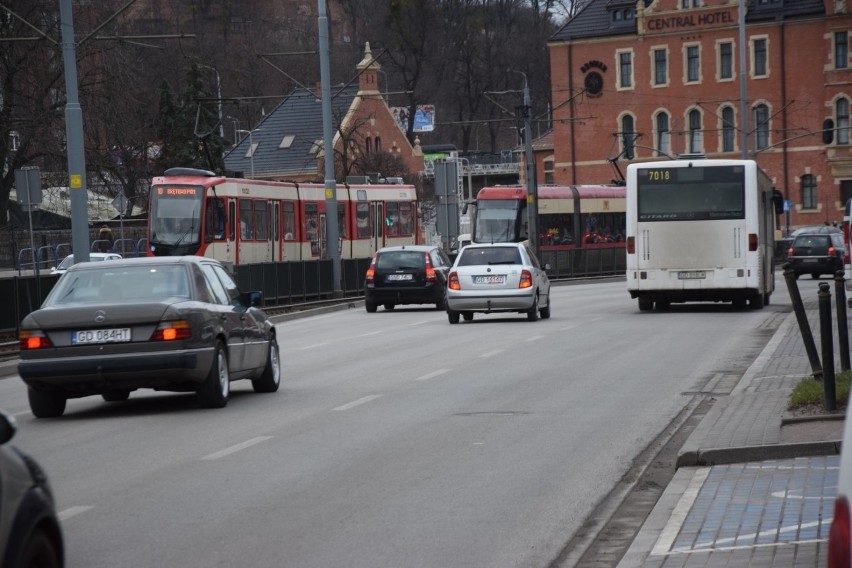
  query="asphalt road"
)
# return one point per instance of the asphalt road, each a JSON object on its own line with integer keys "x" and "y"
{"x": 396, "y": 439}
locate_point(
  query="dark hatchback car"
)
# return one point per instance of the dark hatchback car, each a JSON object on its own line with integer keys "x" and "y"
{"x": 30, "y": 534}
{"x": 816, "y": 254}
{"x": 408, "y": 274}
{"x": 164, "y": 323}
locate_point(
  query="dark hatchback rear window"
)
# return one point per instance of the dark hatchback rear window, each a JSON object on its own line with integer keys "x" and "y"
{"x": 401, "y": 260}
{"x": 492, "y": 255}
{"x": 818, "y": 242}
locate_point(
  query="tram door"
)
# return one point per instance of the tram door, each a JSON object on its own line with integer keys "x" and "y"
{"x": 323, "y": 236}
{"x": 377, "y": 215}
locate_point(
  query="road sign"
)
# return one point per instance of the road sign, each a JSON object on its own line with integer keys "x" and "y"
{"x": 788, "y": 205}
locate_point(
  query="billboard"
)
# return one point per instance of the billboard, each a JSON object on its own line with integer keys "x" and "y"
{"x": 424, "y": 118}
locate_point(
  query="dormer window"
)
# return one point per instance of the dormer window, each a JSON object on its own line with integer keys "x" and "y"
{"x": 621, "y": 15}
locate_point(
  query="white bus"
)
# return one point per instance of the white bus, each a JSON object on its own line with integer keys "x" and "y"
{"x": 700, "y": 230}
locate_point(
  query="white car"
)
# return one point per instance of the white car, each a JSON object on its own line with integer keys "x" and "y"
{"x": 68, "y": 261}
{"x": 501, "y": 277}
{"x": 840, "y": 536}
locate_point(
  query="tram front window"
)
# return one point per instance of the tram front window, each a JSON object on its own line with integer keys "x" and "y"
{"x": 497, "y": 221}
{"x": 175, "y": 215}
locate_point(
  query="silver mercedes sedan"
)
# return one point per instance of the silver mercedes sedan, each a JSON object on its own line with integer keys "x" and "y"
{"x": 163, "y": 323}
{"x": 492, "y": 278}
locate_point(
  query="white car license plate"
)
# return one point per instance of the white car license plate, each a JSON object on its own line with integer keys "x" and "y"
{"x": 490, "y": 279}
{"x": 691, "y": 275}
{"x": 100, "y": 336}
{"x": 398, "y": 277}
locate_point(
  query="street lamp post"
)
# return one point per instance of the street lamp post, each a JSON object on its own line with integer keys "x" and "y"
{"x": 218, "y": 98}
{"x": 236, "y": 123}
{"x": 251, "y": 147}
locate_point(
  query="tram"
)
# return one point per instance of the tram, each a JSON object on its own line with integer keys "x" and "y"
{"x": 569, "y": 217}
{"x": 243, "y": 221}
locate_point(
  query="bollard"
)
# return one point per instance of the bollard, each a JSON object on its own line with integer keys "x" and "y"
{"x": 802, "y": 319}
{"x": 827, "y": 341}
{"x": 842, "y": 325}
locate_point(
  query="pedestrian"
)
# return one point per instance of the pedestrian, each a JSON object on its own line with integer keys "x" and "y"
{"x": 105, "y": 239}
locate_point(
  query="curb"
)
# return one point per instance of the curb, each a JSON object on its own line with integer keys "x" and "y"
{"x": 720, "y": 456}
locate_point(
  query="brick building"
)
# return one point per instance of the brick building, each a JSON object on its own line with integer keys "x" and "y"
{"x": 639, "y": 81}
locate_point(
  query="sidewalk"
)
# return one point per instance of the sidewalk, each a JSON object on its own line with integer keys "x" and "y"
{"x": 754, "y": 486}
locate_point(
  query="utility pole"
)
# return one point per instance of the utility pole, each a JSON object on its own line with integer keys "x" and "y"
{"x": 74, "y": 137}
{"x": 743, "y": 102}
{"x": 328, "y": 145}
{"x": 532, "y": 186}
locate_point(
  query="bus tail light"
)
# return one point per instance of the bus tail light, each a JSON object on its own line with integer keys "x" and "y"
{"x": 839, "y": 537}
{"x": 33, "y": 339}
{"x": 752, "y": 242}
{"x": 172, "y": 330}
{"x": 526, "y": 279}
{"x": 453, "y": 282}
{"x": 371, "y": 272}
{"x": 631, "y": 245}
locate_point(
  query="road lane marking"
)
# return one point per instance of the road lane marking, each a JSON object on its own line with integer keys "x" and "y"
{"x": 534, "y": 338}
{"x": 22, "y": 413}
{"x": 359, "y": 402}
{"x": 73, "y": 512}
{"x": 369, "y": 334}
{"x": 421, "y": 322}
{"x": 681, "y": 510}
{"x": 490, "y": 353}
{"x": 236, "y": 448}
{"x": 314, "y": 346}
{"x": 432, "y": 375}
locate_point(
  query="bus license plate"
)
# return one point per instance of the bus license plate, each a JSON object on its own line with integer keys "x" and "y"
{"x": 491, "y": 279}
{"x": 691, "y": 275}
{"x": 100, "y": 336}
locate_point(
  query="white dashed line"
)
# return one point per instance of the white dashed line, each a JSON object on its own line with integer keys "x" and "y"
{"x": 534, "y": 338}
{"x": 73, "y": 512}
{"x": 432, "y": 375}
{"x": 421, "y": 322}
{"x": 358, "y": 402}
{"x": 369, "y": 334}
{"x": 236, "y": 448}
{"x": 314, "y": 346}
{"x": 490, "y": 353}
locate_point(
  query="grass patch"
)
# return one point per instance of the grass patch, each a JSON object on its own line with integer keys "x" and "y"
{"x": 809, "y": 392}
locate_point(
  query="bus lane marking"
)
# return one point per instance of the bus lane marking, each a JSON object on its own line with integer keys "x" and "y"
{"x": 236, "y": 448}
{"x": 432, "y": 375}
{"x": 73, "y": 512}
{"x": 359, "y": 402}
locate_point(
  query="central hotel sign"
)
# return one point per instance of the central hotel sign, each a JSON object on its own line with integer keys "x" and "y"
{"x": 681, "y": 21}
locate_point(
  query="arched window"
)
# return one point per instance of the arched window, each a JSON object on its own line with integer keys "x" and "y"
{"x": 809, "y": 198}
{"x": 663, "y": 134}
{"x": 761, "y": 126}
{"x": 368, "y": 145}
{"x": 842, "y": 108}
{"x": 728, "y": 131}
{"x": 378, "y": 144}
{"x": 627, "y": 136}
{"x": 694, "y": 131}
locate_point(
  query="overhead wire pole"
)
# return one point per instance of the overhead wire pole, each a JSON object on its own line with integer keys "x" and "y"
{"x": 328, "y": 140}
{"x": 743, "y": 102}
{"x": 74, "y": 137}
{"x": 532, "y": 186}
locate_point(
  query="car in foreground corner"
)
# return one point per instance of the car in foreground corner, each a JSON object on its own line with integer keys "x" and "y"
{"x": 68, "y": 261}
{"x": 408, "y": 274}
{"x": 30, "y": 534}
{"x": 492, "y": 278}
{"x": 164, "y": 323}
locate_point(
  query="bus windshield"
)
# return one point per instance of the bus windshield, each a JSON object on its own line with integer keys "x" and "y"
{"x": 690, "y": 194}
{"x": 175, "y": 214}
{"x": 499, "y": 221}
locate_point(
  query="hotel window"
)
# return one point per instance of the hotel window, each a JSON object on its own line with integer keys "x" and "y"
{"x": 660, "y": 66}
{"x": 625, "y": 70}
{"x": 663, "y": 134}
{"x": 845, "y": 190}
{"x": 842, "y": 108}
{"x": 694, "y": 131}
{"x": 627, "y": 136}
{"x": 686, "y": 3}
{"x": 728, "y": 130}
{"x": 809, "y": 200}
{"x": 841, "y": 50}
{"x": 759, "y": 68}
{"x": 726, "y": 60}
{"x": 761, "y": 122}
{"x": 693, "y": 64}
